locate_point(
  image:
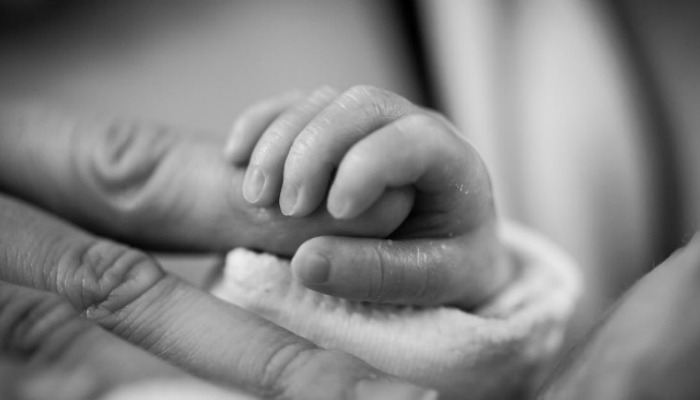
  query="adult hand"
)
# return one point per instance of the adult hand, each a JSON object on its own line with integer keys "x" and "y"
{"x": 75, "y": 302}
{"x": 154, "y": 186}
{"x": 375, "y": 142}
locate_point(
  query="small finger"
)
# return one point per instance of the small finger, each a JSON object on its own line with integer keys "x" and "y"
{"x": 263, "y": 179}
{"x": 423, "y": 272}
{"x": 318, "y": 149}
{"x": 417, "y": 150}
{"x": 252, "y": 122}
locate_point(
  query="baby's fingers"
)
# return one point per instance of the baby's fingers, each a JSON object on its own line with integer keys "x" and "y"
{"x": 263, "y": 177}
{"x": 319, "y": 147}
{"x": 464, "y": 271}
{"x": 420, "y": 150}
{"x": 252, "y": 122}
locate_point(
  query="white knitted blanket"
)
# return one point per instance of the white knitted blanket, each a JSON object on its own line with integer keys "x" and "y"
{"x": 496, "y": 352}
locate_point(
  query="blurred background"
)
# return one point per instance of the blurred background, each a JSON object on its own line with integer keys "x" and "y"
{"x": 583, "y": 110}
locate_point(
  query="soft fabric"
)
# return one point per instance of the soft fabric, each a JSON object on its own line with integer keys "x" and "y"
{"x": 496, "y": 352}
{"x": 171, "y": 389}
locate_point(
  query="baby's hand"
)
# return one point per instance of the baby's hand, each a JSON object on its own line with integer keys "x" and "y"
{"x": 446, "y": 251}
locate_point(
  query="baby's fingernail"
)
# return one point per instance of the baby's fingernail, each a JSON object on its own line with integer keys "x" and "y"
{"x": 253, "y": 185}
{"x": 311, "y": 268}
{"x": 386, "y": 390}
{"x": 340, "y": 209}
{"x": 288, "y": 199}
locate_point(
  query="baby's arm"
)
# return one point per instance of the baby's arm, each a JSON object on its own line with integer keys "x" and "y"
{"x": 376, "y": 141}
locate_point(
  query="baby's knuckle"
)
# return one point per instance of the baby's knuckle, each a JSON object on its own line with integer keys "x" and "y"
{"x": 356, "y": 158}
{"x": 362, "y": 91}
{"x": 266, "y": 149}
{"x": 306, "y": 144}
{"x": 422, "y": 122}
{"x": 323, "y": 92}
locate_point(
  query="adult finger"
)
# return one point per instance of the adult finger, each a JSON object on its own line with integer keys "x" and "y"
{"x": 461, "y": 271}
{"x": 154, "y": 186}
{"x": 127, "y": 293}
{"x": 252, "y": 122}
{"x": 263, "y": 177}
{"x": 66, "y": 356}
{"x": 319, "y": 147}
